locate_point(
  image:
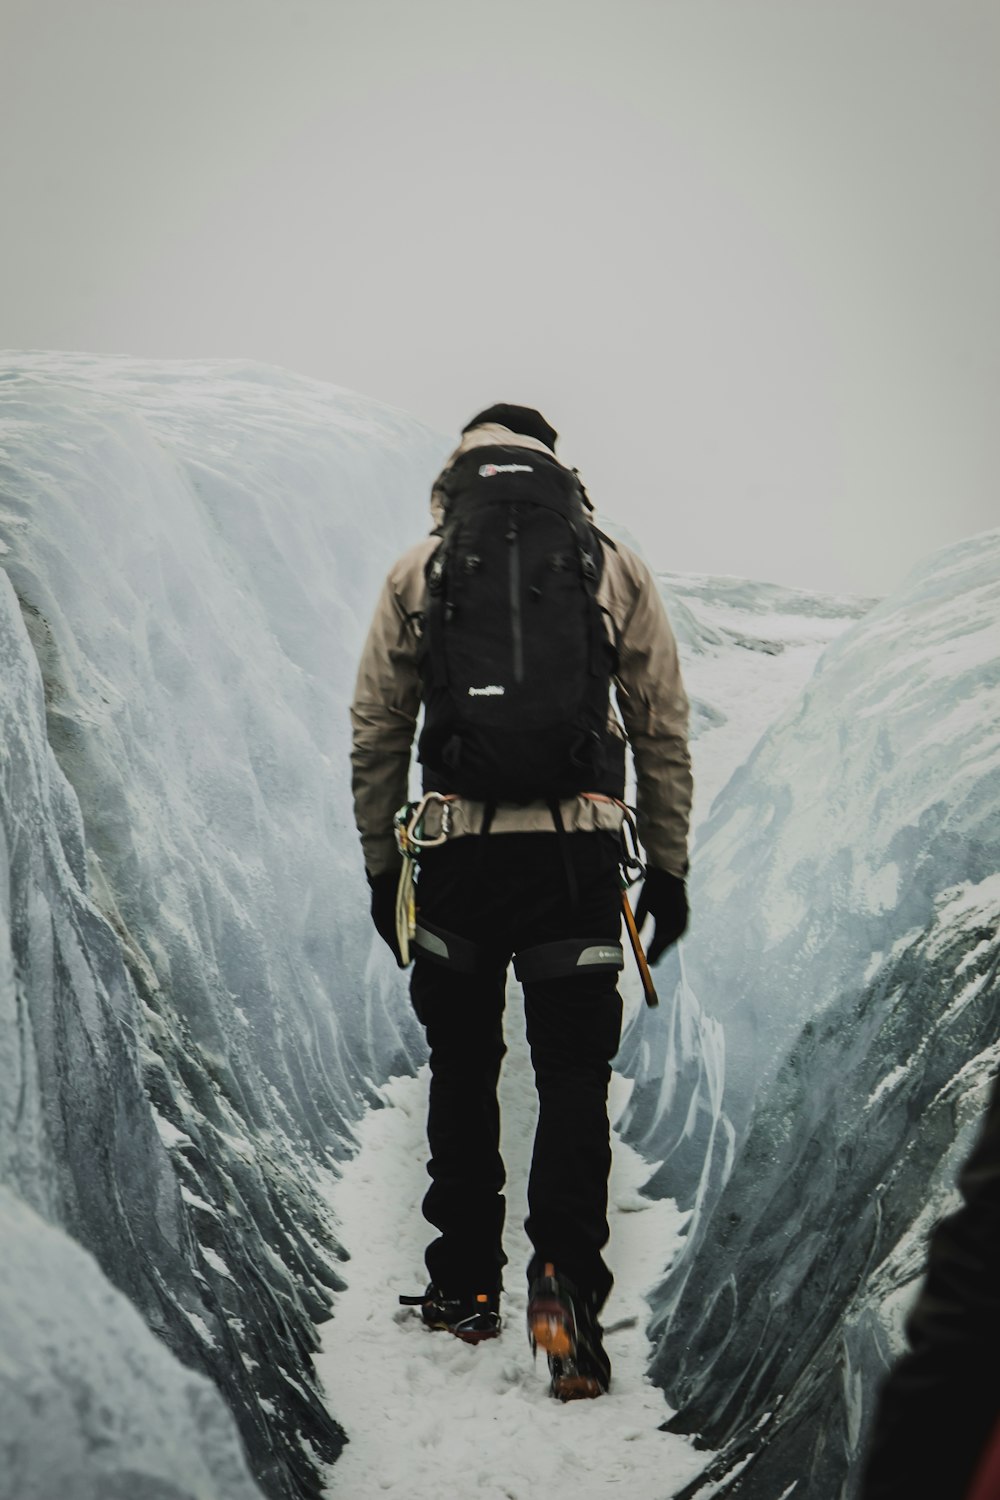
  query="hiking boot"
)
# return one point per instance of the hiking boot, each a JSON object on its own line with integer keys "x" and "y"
{"x": 470, "y": 1318}
{"x": 564, "y": 1324}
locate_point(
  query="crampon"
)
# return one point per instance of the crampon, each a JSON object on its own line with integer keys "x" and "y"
{"x": 470, "y": 1318}
{"x": 561, "y": 1323}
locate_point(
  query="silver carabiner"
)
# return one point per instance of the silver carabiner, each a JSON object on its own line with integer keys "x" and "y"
{"x": 633, "y": 867}
{"x": 416, "y": 838}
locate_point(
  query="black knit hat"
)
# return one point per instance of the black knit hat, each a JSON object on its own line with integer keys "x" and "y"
{"x": 522, "y": 419}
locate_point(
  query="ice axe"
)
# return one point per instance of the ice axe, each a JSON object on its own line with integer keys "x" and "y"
{"x": 648, "y": 987}
{"x": 633, "y": 869}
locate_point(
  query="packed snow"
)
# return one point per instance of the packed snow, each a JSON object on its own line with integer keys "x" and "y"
{"x": 427, "y": 1415}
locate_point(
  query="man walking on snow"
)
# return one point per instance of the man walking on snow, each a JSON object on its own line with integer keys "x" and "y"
{"x": 510, "y": 625}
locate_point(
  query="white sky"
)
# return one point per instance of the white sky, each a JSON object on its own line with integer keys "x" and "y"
{"x": 743, "y": 253}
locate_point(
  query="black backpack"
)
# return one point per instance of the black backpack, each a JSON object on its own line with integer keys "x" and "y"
{"x": 518, "y": 656}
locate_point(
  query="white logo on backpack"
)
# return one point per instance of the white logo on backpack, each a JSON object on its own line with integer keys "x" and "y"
{"x": 487, "y": 471}
{"x": 487, "y": 692}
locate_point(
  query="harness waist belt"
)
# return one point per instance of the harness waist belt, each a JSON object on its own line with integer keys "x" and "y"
{"x": 562, "y": 959}
{"x": 546, "y": 961}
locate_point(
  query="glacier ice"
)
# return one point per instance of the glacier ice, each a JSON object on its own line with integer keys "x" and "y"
{"x": 748, "y": 650}
{"x": 92, "y": 1405}
{"x": 847, "y": 909}
{"x": 194, "y": 1006}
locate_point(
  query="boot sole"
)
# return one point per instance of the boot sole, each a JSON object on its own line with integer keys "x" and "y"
{"x": 467, "y": 1335}
{"x": 566, "y": 1387}
{"x": 475, "y": 1337}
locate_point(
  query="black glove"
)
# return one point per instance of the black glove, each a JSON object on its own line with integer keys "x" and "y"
{"x": 664, "y": 898}
{"x": 384, "y": 887}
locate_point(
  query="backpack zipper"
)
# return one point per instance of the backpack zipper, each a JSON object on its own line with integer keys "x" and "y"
{"x": 516, "y": 629}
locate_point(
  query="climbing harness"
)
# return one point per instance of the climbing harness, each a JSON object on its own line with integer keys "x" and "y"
{"x": 547, "y": 960}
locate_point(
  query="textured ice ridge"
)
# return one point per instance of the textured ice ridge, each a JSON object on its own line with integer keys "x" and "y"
{"x": 92, "y": 1405}
{"x": 191, "y": 1005}
{"x": 847, "y": 942}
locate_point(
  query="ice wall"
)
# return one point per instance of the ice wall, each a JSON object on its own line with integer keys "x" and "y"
{"x": 92, "y": 1405}
{"x": 194, "y": 1003}
{"x": 748, "y": 651}
{"x": 847, "y": 945}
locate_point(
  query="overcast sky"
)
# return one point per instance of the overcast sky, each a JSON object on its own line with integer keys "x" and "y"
{"x": 743, "y": 253}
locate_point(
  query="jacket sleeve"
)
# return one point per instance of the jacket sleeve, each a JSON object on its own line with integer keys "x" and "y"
{"x": 654, "y": 709}
{"x": 383, "y": 722}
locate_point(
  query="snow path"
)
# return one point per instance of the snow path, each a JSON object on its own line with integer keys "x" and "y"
{"x": 430, "y": 1418}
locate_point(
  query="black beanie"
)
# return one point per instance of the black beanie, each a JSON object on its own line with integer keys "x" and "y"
{"x": 522, "y": 419}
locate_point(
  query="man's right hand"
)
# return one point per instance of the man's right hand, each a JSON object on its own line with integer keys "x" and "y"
{"x": 383, "y": 888}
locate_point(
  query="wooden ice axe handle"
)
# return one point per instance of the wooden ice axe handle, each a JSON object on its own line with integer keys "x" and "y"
{"x": 649, "y": 988}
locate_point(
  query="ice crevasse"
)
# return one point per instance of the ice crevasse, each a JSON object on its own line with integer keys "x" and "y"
{"x": 193, "y": 1014}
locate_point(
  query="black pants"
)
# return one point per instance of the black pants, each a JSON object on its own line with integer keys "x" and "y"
{"x": 508, "y": 892}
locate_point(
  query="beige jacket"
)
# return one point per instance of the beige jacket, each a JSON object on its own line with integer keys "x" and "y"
{"x": 650, "y": 697}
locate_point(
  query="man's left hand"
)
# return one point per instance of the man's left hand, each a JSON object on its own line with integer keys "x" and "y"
{"x": 383, "y": 888}
{"x": 664, "y": 898}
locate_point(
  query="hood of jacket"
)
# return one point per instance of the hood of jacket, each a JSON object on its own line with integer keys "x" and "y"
{"x": 489, "y": 435}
